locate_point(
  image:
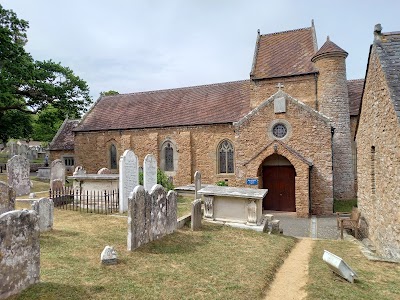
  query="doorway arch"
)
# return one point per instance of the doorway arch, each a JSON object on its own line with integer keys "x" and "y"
{"x": 278, "y": 176}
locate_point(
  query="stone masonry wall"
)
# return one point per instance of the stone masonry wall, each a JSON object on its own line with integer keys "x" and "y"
{"x": 196, "y": 149}
{"x": 299, "y": 87}
{"x": 308, "y": 135}
{"x": 19, "y": 251}
{"x": 379, "y": 173}
{"x": 334, "y": 102}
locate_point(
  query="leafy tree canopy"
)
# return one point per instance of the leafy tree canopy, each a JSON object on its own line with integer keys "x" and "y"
{"x": 109, "y": 93}
{"x": 28, "y": 86}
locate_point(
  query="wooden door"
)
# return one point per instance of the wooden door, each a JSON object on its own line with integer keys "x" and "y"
{"x": 279, "y": 180}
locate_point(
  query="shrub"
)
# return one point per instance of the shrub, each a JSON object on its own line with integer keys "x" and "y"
{"x": 221, "y": 183}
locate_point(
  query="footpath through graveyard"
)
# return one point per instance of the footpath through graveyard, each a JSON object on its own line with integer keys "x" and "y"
{"x": 292, "y": 276}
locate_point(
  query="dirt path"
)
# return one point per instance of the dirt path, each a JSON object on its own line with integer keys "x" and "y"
{"x": 292, "y": 276}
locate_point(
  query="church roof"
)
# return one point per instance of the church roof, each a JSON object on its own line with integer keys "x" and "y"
{"x": 284, "y": 53}
{"x": 388, "y": 49}
{"x": 355, "y": 88}
{"x": 64, "y": 139}
{"x": 198, "y": 105}
{"x": 329, "y": 48}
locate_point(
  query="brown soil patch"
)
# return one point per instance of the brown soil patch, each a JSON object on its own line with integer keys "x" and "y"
{"x": 292, "y": 276}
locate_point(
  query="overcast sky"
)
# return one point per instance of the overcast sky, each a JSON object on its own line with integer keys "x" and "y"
{"x": 132, "y": 46}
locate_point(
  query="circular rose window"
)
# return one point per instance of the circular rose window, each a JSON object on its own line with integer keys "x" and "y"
{"x": 279, "y": 130}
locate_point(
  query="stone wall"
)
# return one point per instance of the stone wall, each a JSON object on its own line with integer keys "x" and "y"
{"x": 333, "y": 101}
{"x": 379, "y": 168}
{"x": 19, "y": 251}
{"x": 299, "y": 87}
{"x": 196, "y": 149}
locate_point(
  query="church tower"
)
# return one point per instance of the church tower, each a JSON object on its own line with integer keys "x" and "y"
{"x": 333, "y": 101}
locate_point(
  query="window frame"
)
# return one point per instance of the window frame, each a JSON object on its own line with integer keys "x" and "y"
{"x": 227, "y": 159}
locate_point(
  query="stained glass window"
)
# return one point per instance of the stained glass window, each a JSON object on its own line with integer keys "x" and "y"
{"x": 113, "y": 157}
{"x": 169, "y": 158}
{"x": 226, "y": 153}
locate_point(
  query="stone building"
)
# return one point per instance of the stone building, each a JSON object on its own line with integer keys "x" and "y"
{"x": 288, "y": 128}
{"x": 62, "y": 145}
{"x": 378, "y": 140}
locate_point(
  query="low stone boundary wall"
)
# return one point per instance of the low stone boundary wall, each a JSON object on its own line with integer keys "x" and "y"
{"x": 19, "y": 251}
{"x": 150, "y": 215}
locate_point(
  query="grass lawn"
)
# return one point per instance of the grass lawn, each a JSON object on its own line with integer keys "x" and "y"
{"x": 184, "y": 206}
{"x": 377, "y": 280}
{"x": 344, "y": 205}
{"x": 218, "y": 262}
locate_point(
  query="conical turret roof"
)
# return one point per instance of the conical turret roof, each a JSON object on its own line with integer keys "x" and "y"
{"x": 329, "y": 49}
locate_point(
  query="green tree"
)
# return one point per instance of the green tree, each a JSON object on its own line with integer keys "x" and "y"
{"x": 28, "y": 86}
{"x": 109, "y": 93}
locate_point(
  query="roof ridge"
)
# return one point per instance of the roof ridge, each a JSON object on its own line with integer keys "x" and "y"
{"x": 286, "y": 31}
{"x": 181, "y": 88}
{"x": 391, "y": 33}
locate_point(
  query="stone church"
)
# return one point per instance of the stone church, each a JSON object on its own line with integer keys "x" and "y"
{"x": 288, "y": 128}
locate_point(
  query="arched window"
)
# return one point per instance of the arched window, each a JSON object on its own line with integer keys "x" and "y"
{"x": 113, "y": 157}
{"x": 225, "y": 157}
{"x": 169, "y": 158}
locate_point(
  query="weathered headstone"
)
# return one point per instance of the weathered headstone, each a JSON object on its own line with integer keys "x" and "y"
{"x": 158, "y": 212}
{"x": 108, "y": 256}
{"x": 172, "y": 211}
{"x": 56, "y": 185}
{"x": 104, "y": 171}
{"x": 19, "y": 251}
{"x": 196, "y": 215}
{"x": 149, "y": 172}
{"x": 7, "y": 198}
{"x": 139, "y": 210}
{"x": 45, "y": 210}
{"x": 18, "y": 174}
{"x": 128, "y": 177}
{"x": 57, "y": 170}
{"x": 150, "y": 215}
{"x": 197, "y": 184}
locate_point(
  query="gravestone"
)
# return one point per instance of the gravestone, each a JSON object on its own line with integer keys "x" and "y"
{"x": 139, "y": 210}
{"x": 18, "y": 175}
{"x": 150, "y": 215}
{"x": 149, "y": 172}
{"x": 158, "y": 212}
{"x": 196, "y": 215}
{"x": 108, "y": 256}
{"x": 79, "y": 170}
{"x": 172, "y": 211}
{"x": 56, "y": 185}
{"x": 197, "y": 184}
{"x": 45, "y": 210}
{"x": 19, "y": 251}
{"x": 104, "y": 171}
{"x": 128, "y": 177}
{"x": 7, "y": 198}
{"x": 57, "y": 171}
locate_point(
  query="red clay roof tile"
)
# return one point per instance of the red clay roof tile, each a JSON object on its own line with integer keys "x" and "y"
{"x": 285, "y": 53}
{"x": 329, "y": 48}
{"x": 207, "y": 104}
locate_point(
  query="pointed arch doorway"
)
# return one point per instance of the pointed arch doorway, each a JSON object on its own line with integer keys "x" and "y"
{"x": 279, "y": 178}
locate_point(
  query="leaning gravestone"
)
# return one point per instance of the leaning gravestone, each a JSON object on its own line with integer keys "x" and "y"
{"x": 18, "y": 174}
{"x": 149, "y": 172}
{"x": 128, "y": 177}
{"x": 197, "y": 183}
{"x": 7, "y": 198}
{"x": 196, "y": 215}
{"x": 45, "y": 210}
{"x": 57, "y": 171}
{"x": 158, "y": 212}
